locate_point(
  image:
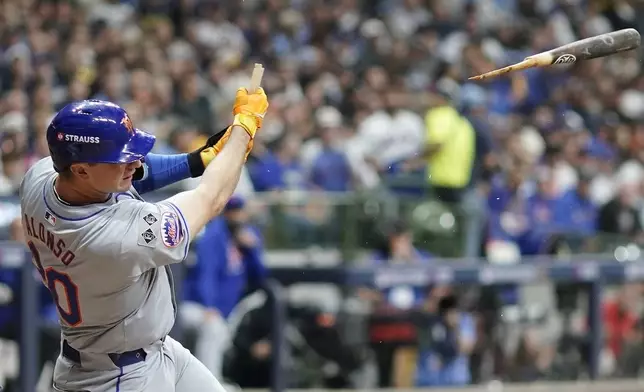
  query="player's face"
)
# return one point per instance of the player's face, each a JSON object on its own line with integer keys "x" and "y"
{"x": 112, "y": 177}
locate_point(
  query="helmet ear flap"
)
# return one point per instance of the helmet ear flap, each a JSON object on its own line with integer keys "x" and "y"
{"x": 140, "y": 172}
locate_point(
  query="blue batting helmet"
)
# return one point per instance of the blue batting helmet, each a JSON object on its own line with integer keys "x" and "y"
{"x": 94, "y": 131}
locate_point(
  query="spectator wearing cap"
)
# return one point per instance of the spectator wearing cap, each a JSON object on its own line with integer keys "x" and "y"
{"x": 329, "y": 168}
{"x": 229, "y": 262}
{"x": 576, "y": 213}
{"x": 541, "y": 208}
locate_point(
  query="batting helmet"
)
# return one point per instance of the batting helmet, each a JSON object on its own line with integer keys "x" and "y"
{"x": 94, "y": 131}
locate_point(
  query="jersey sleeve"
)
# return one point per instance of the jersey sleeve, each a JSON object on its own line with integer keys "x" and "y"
{"x": 149, "y": 235}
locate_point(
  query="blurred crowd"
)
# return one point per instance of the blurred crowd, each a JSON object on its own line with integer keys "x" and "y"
{"x": 364, "y": 94}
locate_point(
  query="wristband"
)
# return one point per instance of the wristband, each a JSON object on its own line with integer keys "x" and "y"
{"x": 196, "y": 164}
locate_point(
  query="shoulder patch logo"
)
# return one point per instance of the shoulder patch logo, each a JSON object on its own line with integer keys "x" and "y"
{"x": 150, "y": 219}
{"x": 171, "y": 233}
{"x": 148, "y": 236}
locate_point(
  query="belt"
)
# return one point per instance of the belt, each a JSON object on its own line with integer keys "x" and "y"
{"x": 120, "y": 360}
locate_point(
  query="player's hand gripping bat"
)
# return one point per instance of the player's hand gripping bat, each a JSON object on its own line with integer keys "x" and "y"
{"x": 199, "y": 159}
{"x": 585, "y": 49}
{"x": 255, "y": 82}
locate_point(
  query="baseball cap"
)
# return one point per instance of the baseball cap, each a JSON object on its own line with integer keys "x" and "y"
{"x": 236, "y": 202}
{"x": 13, "y": 122}
{"x": 328, "y": 117}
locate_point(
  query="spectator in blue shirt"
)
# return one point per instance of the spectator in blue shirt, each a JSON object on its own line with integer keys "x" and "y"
{"x": 265, "y": 170}
{"x": 507, "y": 208}
{"x": 541, "y": 208}
{"x": 331, "y": 171}
{"x": 291, "y": 169}
{"x": 229, "y": 262}
{"x": 451, "y": 337}
{"x": 399, "y": 249}
{"x": 576, "y": 213}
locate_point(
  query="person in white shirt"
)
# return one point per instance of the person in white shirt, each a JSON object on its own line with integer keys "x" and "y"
{"x": 390, "y": 134}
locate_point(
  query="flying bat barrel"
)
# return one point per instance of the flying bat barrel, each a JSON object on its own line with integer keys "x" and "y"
{"x": 599, "y": 46}
{"x": 585, "y": 49}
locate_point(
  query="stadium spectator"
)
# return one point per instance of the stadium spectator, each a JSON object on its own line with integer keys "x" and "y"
{"x": 452, "y": 334}
{"x": 449, "y": 148}
{"x": 328, "y": 166}
{"x": 576, "y": 212}
{"x": 397, "y": 249}
{"x": 619, "y": 215}
{"x": 620, "y": 319}
{"x": 375, "y": 148}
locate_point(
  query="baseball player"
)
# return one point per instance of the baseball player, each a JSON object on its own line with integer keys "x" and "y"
{"x": 104, "y": 252}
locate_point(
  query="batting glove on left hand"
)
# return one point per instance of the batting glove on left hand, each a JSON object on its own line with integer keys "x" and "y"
{"x": 201, "y": 158}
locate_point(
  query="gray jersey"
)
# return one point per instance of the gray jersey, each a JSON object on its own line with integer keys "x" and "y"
{"x": 106, "y": 264}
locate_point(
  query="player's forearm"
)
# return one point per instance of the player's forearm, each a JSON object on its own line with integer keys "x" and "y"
{"x": 220, "y": 178}
{"x": 200, "y": 205}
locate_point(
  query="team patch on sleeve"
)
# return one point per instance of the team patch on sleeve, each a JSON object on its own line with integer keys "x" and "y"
{"x": 171, "y": 230}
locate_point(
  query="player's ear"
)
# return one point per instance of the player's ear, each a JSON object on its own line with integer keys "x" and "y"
{"x": 79, "y": 170}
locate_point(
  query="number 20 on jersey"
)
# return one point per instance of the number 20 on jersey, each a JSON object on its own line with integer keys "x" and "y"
{"x": 71, "y": 313}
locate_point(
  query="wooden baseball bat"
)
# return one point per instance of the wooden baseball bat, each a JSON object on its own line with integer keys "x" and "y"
{"x": 585, "y": 49}
{"x": 256, "y": 77}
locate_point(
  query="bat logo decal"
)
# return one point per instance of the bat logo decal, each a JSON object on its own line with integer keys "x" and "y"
{"x": 565, "y": 59}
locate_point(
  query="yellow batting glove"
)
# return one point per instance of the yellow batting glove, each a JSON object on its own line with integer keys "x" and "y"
{"x": 199, "y": 159}
{"x": 249, "y": 110}
{"x": 220, "y": 144}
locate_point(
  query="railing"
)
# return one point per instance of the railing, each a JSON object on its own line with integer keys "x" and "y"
{"x": 347, "y": 221}
{"x": 352, "y": 221}
{"x": 587, "y": 271}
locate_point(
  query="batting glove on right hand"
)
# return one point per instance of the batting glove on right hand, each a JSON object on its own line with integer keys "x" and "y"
{"x": 249, "y": 110}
